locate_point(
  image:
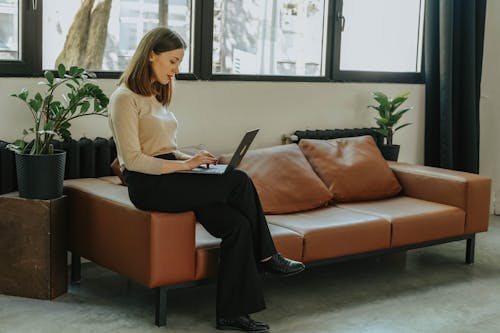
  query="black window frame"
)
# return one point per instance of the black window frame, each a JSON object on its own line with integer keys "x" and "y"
{"x": 367, "y": 76}
{"x": 30, "y": 63}
{"x": 202, "y": 14}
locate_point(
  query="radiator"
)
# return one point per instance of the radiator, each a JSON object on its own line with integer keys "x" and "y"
{"x": 85, "y": 158}
{"x": 327, "y": 134}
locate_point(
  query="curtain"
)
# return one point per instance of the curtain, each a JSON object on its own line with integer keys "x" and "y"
{"x": 453, "y": 55}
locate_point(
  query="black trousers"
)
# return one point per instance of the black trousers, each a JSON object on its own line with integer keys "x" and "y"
{"x": 228, "y": 206}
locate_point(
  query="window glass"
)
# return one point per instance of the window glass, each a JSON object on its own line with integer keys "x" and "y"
{"x": 9, "y": 31}
{"x": 128, "y": 21}
{"x": 275, "y": 37}
{"x": 382, "y": 35}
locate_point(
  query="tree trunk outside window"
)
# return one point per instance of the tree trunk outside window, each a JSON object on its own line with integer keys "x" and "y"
{"x": 86, "y": 38}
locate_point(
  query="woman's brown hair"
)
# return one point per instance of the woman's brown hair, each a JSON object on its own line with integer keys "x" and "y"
{"x": 138, "y": 74}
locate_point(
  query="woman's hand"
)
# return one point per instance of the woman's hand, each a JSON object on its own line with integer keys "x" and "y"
{"x": 203, "y": 157}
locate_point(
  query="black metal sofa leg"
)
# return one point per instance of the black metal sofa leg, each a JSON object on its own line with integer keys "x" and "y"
{"x": 469, "y": 254}
{"x": 76, "y": 268}
{"x": 161, "y": 306}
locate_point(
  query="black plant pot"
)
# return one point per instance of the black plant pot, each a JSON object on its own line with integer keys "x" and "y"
{"x": 390, "y": 152}
{"x": 41, "y": 176}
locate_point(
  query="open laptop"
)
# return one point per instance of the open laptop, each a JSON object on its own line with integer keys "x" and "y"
{"x": 219, "y": 169}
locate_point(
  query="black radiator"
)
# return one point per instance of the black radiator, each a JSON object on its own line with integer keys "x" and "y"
{"x": 85, "y": 158}
{"x": 327, "y": 134}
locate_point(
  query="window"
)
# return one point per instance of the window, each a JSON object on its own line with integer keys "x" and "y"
{"x": 278, "y": 37}
{"x": 128, "y": 21}
{"x": 380, "y": 36}
{"x": 285, "y": 40}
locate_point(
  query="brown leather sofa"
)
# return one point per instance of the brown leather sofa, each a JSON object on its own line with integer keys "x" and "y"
{"x": 309, "y": 221}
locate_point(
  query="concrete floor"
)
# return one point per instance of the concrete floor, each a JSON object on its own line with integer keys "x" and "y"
{"x": 429, "y": 290}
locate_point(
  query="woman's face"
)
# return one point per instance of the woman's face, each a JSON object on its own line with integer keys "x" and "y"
{"x": 165, "y": 65}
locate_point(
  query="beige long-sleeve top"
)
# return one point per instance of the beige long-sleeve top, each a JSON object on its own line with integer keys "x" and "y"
{"x": 142, "y": 128}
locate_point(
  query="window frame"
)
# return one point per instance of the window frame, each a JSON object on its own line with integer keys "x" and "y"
{"x": 327, "y": 77}
{"x": 367, "y": 76}
{"x": 202, "y": 38}
{"x": 30, "y": 46}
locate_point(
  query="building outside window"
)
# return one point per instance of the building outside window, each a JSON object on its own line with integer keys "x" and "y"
{"x": 277, "y": 37}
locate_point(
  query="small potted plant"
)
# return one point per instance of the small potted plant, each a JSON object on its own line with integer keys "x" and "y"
{"x": 389, "y": 116}
{"x": 40, "y": 168}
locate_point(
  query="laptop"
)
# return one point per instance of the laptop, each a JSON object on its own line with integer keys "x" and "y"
{"x": 220, "y": 169}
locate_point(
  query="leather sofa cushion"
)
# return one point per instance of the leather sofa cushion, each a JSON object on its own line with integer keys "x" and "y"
{"x": 334, "y": 232}
{"x": 287, "y": 242}
{"x": 284, "y": 179}
{"x": 353, "y": 169}
{"x": 413, "y": 220}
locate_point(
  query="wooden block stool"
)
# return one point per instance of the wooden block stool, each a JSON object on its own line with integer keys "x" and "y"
{"x": 32, "y": 247}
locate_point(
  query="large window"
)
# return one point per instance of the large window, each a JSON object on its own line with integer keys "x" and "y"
{"x": 276, "y": 37}
{"x": 124, "y": 23}
{"x": 289, "y": 40}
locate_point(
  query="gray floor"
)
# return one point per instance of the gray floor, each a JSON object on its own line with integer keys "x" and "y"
{"x": 429, "y": 290}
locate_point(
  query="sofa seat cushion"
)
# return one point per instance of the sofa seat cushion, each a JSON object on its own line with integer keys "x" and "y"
{"x": 333, "y": 232}
{"x": 284, "y": 179}
{"x": 353, "y": 169}
{"x": 103, "y": 188}
{"x": 287, "y": 242}
{"x": 414, "y": 220}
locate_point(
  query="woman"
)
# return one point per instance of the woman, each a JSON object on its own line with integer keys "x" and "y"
{"x": 226, "y": 205}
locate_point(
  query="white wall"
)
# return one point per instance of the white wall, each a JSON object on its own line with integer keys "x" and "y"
{"x": 490, "y": 105}
{"x": 217, "y": 113}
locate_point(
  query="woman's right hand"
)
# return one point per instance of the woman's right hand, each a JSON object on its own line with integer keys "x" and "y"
{"x": 203, "y": 157}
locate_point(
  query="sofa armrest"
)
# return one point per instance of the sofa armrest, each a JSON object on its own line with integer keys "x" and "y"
{"x": 173, "y": 248}
{"x": 153, "y": 248}
{"x": 468, "y": 191}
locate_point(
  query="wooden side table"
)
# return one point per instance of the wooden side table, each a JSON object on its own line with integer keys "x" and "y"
{"x": 32, "y": 247}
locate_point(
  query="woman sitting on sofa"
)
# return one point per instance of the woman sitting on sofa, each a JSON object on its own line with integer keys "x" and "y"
{"x": 227, "y": 205}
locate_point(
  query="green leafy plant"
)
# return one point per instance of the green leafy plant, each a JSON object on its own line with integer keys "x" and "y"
{"x": 389, "y": 116}
{"x": 52, "y": 117}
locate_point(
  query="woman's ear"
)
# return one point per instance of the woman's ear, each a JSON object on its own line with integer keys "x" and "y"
{"x": 152, "y": 55}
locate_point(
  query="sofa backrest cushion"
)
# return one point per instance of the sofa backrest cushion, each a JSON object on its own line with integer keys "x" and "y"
{"x": 353, "y": 169}
{"x": 284, "y": 179}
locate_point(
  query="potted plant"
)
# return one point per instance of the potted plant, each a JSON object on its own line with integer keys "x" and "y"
{"x": 40, "y": 168}
{"x": 389, "y": 116}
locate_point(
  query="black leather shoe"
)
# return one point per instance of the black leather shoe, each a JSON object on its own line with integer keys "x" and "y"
{"x": 261, "y": 323}
{"x": 242, "y": 323}
{"x": 281, "y": 266}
